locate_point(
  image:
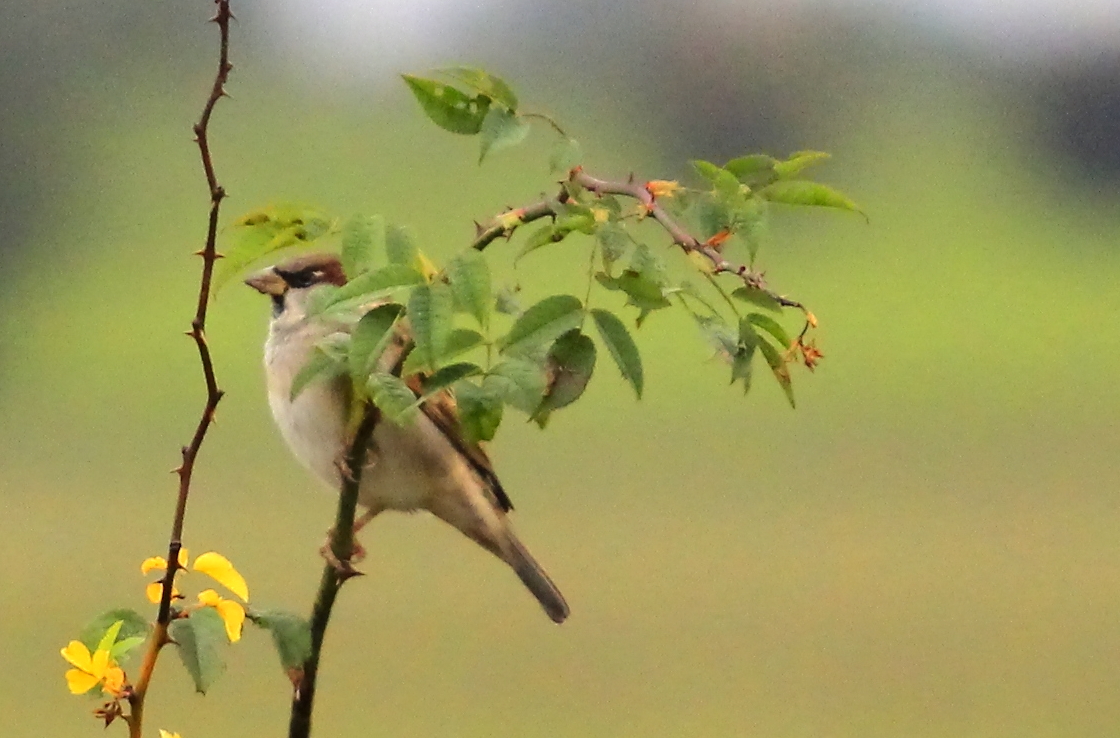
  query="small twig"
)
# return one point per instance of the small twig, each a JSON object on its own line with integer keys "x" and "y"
{"x": 214, "y": 393}
{"x": 342, "y": 545}
{"x": 505, "y": 224}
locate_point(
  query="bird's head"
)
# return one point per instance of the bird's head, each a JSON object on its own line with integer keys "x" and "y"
{"x": 290, "y": 282}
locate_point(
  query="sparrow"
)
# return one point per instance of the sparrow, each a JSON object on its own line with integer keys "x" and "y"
{"x": 426, "y": 464}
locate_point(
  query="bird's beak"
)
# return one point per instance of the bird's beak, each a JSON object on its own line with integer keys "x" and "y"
{"x": 267, "y": 282}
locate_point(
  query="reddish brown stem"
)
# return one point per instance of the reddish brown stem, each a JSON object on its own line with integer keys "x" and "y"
{"x": 209, "y": 254}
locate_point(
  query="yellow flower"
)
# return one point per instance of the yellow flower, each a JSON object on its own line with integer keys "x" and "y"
{"x": 164, "y": 734}
{"x": 662, "y": 187}
{"x": 601, "y": 215}
{"x": 232, "y": 613}
{"x": 219, "y": 568}
{"x": 154, "y": 590}
{"x": 91, "y": 669}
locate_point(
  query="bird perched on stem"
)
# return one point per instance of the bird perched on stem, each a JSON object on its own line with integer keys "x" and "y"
{"x": 426, "y": 464}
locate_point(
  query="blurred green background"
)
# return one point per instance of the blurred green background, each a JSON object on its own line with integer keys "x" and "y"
{"x": 927, "y": 546}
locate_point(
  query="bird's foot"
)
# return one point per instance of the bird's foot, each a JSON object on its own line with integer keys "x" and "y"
{"x": 344, "y": 567}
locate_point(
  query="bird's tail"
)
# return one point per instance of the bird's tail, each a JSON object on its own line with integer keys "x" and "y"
{"x": 534, "y": 577}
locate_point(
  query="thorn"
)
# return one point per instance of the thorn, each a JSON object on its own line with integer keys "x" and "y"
{"x": 218, "y": 255}
{"x": 478, "y": 229}
{"x": 200, "y": 252}
{"x": 177, "y": 470}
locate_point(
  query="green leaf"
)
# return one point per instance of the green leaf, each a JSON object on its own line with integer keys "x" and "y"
{"x": 518, "y": 382}
{"x": 291, "y": 635}
{"x": 462, "y": 340}
{"x": 621, "y": 347}
{"x": 771, "y": 326}
{"x": 265, "y": 230}
{"x": 780, "y": 368}
{"x": 648, "y": 264}
{"x": 362, "y": 237}
{"x": 133, "y": 624}
{"x": 320, "y": 365}
{"x": 469, "y": 276}
{"x": 614, "y": 241}
{"x": 706, "y": 169}
{"x": 543, "y": 322}
{"x": 801, "y": 192}
{"x": 448, "y": 376}
{"x": 753, "y": 170}
{"x": 742, "y": 363}
{"x": 480, "y": 411}
{"x": 392, "y": 396}
{"x": 506, "y": 302}
{"x": 400, "y": 248}
{"x": 501, "y": 129}
{"x": 447, "y": 107}
{"x": 482, "y": 83}
{"x": 720, "y": 335}
{"x": 120, "y": 650}
{"x": 198, "y": 637}
{"x": 364, "y": 289}
{"x": 797, "y": 162}
{"x": 566, "y": 154}
{"x": 370, "y": 338}
{"x": 752, "y": 223}
{"x": 642, "y": 292}
{"x": 571, "y": 362}
{"x": 543, "y": 236}
{"x": 757, "y": 297}
{"x": 431, "y": 310}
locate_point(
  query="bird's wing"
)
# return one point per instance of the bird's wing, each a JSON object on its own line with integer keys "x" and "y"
{"x": 441, "y": 409}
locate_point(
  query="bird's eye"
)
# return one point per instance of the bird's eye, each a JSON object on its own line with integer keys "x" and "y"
{"x": 299, "y": 280}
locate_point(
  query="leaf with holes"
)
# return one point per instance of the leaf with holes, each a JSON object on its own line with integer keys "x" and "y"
{"x": 447, "y": 107}
{"x": 483, "y": 83}
{"x": 261, "y": 232}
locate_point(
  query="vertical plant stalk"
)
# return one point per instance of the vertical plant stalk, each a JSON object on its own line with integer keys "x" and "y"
{"x": 342, "y": 546}
{"x": 209, "y": 254}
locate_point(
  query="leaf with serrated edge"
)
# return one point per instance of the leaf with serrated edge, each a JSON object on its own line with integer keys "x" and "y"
{"x": 261, "y": 232}
{"x": 291, "y": 635}
{"x": 757, "y": 297}
{"x": 543, "y": 322}
{"x": 520, "y": 383}
{"x": 366, "y": 288}
{"x": 370, "y": 338}
{"x": 621, "y": 347}
{"x": 362, "y": 237}
{"x": 771, "y": 326}
{"x": 447, "y": 107}
{"x": 501, "y": 129}
{"x": 400, "y": 248}
{"x": 469, "y": 276}
{"x": 430, "y": 313}
{"x": 571, "y": 361}
{"x": 797, "y": 162}
{"x": 448, "y": 376}
{"x": 132, "y": 624}
{"x": 780, "y": 368}
{"x": 480, "y": 411}
{"x": 393, "y": 397}
{"x": 198, "y": 637}
{"x": 320, "y": 365}
{"x": 812, "y": 194}
{"x": 565, "y": 155}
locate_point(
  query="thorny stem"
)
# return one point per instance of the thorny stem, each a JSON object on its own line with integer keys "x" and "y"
{"x": 209, "y": 254}
{"x": 505, "y": 224}
{"x": 342, "y": 545}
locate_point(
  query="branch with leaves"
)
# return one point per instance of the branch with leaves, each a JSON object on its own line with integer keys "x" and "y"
{"x": 459, "y": 332}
